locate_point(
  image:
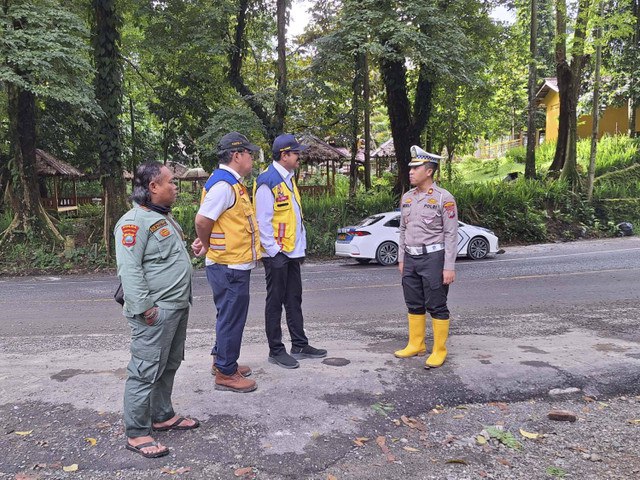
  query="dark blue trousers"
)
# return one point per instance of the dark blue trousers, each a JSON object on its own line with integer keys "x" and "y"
{"x": 231, "y": 297}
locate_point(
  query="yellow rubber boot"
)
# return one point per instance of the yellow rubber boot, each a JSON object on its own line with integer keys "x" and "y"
{"x": 440, "y": 334}
{"x": 416, "y": 344}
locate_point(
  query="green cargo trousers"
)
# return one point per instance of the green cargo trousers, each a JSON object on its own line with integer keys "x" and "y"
{"x": 156, "y": 353}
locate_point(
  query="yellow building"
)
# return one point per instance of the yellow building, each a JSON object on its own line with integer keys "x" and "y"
{"x": 614, "y": 120}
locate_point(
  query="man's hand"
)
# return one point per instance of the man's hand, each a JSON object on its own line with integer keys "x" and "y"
{"x": 448, "y": 276}
{"x": 151, "y": 315}
{"x": 198, "y": 249}
{"x": 400, "y": 266}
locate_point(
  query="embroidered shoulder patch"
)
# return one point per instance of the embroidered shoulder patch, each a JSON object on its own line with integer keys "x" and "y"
{"x": 129, "y": 235}
{"x": 165, "y": 232}
{"x": 158, "y": 225}
{"x": 450, "y": 207}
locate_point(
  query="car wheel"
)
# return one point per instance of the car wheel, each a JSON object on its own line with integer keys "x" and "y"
{"x": 387, "y": 253}
{"x": 363, "y": 261}
{"x": 478, "y": 248}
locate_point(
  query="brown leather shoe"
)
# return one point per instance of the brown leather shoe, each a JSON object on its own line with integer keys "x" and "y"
{"x": 234, "y": 383}
{"x": 244, "y": 370}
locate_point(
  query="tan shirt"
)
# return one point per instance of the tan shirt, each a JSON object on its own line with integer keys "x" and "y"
{"x": 428, "y": 218}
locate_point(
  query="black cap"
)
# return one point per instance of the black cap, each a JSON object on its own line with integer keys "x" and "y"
{"x": 236, "y": 141}
{"x": 287, "y": 143}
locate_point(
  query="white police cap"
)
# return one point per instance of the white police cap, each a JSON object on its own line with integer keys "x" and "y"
{"x": 420, "y": 157}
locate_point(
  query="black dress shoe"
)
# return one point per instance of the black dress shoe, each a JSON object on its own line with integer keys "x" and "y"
{"x": 307, "y": 352}
{"x": 284, "y": 360}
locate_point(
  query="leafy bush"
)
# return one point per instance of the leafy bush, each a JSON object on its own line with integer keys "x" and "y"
{"x": 517, "y": 154}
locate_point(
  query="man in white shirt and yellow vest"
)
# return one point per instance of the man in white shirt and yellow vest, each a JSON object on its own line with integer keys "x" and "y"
{"x": 228, "y": 234}
{"x": 283, "y": 239}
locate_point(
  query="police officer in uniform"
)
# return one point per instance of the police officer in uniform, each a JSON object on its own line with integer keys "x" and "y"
{"x": 426, "y": 256}
{"x": 228, "y": 235}
{"x": 155, "y": 270}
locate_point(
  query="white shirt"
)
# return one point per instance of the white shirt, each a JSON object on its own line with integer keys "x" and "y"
{"x": 218, "y": 200}
{"x": 264, "y": 213}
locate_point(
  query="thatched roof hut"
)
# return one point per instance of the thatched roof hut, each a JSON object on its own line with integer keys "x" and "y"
{"x": 386, "y": 150}
{"x": 49, "y": 166}
{"x": 319, "y": 151}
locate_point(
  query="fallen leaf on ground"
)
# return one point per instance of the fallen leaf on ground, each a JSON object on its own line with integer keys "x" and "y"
{"x": 168, "y": 470}
{"x": 382, "y": 443}
{"x": 530, "y": 435}
{"x": 480, "y": 440}
{"x": 360, "y": 441}
{"x": 635, "y": 421}
{"x": 103, "y": 425}
{"x": 458, "y": 417}
{"x": 588, "y": 399}
{"x": 410, "y": 449}
{"x": 413, "y": 423}
{"x": 331, "y": 477}
{"x": 243, "y": 471}
{"x": 457, "y": 460}
{"x": 501, "y": 405}
{"x": 71, "y": 468}
{"x": 183, "y": 470}
{"x": 397, "y": 422}
{"x": 91, "y": 441}
{"x": 504, "y": 462}
{"x": 28, "y": 432}
{"x": 462, "y": 407}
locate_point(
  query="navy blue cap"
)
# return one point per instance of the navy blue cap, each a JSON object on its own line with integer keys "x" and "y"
{"x": 287, "y": 143}
{"x": 236, "y": 141}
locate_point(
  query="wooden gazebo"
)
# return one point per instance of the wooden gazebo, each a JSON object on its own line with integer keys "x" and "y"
{"x": 384, "y": 155}
{"x": 321, "y": 154}
{"x": 48, "y": 166}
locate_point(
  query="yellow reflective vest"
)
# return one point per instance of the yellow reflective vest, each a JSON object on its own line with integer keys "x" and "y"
{"x": 234, "y": 235}
{"x": 284, "y": 214}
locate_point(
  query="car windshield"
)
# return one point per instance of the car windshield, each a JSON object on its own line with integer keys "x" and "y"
{"x": 370, "y": 221}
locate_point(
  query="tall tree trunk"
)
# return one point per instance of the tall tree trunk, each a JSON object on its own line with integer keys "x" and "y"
{"x": 22, "y": 188}
{"x": 30, "y": 219}
{"x": 367, "y": 122}
{"x": 530, "y": 162}
{"x": 108, "y": 88}
{"x": 406, "y": 126}
{"x": 570, "y": 167}
{"x": 595, "y": 112}
{"x": 355, "y": 123}
{"x": 563, "y": 74}
{"x": 634, "y": 77}
{"x": 272, "y": 124}
{"x": 281, "y": 76}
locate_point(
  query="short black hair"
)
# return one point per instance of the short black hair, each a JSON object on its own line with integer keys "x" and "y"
{"x": 145, "y": 174}
{"x": 224, "y": 156}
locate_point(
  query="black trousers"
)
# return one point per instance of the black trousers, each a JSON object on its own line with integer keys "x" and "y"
{"x": 422, "y": 285}
{"x": 284, "y": 287}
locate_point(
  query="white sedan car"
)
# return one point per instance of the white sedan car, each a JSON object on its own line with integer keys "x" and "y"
{"x": 376, "y": 237}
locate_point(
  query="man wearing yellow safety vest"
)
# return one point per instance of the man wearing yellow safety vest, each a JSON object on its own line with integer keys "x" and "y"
{"x": 283, "y": 239}
{"x": 228, "y": 234}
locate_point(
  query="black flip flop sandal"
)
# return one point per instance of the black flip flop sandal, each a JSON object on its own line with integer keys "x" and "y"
{"x": 138, "y": 450}
{"x": 176, "y": 425}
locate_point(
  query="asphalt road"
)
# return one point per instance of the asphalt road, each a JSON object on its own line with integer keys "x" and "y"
{"x": 523, "y": 323}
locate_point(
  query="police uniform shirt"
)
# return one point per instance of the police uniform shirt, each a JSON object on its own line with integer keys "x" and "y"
{"x": 429, "y": 218}
{"x": 153, "y": 263}
{"x": 264, "y": 213}
{"x": 218, "y": 200}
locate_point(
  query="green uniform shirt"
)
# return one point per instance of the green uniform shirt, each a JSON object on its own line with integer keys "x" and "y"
{"x": 153, "y": 264}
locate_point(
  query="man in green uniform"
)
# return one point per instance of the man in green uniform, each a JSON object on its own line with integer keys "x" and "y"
{"x": 155, "y": 270}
